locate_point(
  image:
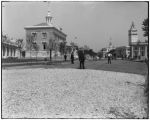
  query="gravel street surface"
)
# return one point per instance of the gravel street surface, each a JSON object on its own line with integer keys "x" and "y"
{"x": 72, "y": 93}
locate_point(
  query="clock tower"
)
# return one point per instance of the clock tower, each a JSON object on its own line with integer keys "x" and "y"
{"x": 133, "y": 35}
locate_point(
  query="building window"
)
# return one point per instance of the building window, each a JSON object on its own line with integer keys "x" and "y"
{"x": 44, "y": 45}
{"x": 44, "y": 35}
{"x": 34, "y": 34}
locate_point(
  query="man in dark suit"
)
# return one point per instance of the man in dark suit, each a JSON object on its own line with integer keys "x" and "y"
{"x": 72, "y": 58}
{"x": 81, "y": 58}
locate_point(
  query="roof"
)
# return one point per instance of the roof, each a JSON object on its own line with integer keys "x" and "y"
{"x": 140, "y": 43}
{"x": 8, "y": 42}
{"x": 44, "y": 25}
{"x": 103, "y": 49}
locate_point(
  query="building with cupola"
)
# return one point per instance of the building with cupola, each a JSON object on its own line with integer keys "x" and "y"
{"x": 107, "y": 50}
{"x": 138, "y": 49}
{"x": 46, "y": 37}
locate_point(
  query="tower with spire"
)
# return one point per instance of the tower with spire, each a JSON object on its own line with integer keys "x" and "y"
{"x": 138, "y": 49}
{"x": 49, "y": 16}
{"x": 49, "y": 19}
{"x": 133, "y": 34}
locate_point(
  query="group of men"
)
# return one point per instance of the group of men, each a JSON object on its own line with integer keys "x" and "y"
{"x": 81, "y": 56}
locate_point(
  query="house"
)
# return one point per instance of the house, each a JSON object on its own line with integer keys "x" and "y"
{"x": 46, "y": 37}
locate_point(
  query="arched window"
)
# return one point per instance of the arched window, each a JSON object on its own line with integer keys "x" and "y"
{"x": 34, "y": 34}
{"x": 44, "y": 35}
{"x": 44, "y": 46}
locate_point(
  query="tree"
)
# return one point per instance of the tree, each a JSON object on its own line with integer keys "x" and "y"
{"x": 145, "y": 27}
{"x": 90, "y": 52}
{"x": 51, "y": 46}
{"x": 30, "y": 42}
{"x": 100, "y": 54}
{"x": 62, "y": 48}
{"x": 20, "y": 45}
{"x": 74, "y": 46}
{"x": 36, "y": 48}
{"x": 4, "y": 37}
{"x": 86, "y": 47}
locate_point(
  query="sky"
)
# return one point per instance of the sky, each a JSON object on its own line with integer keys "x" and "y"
{"x": 93, "y": 23}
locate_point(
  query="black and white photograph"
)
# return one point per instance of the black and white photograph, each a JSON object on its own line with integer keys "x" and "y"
{"x": 74, "y": 59}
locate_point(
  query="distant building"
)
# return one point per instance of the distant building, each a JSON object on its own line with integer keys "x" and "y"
{"x": 104, "y": 51}
{"x": 69, "y": 49}
{"x": 122, "y": 52}
{"x": 138, "y": 49}
{"x": 9, "y": 48}
{"x": 46, "y": 36}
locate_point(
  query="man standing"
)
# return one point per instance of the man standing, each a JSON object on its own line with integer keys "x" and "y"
{"x": 81, "y": 58}
{"x": 109, "y": 58}
{"x": 72, "y": 58}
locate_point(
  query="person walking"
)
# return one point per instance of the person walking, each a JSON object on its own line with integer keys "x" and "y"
{"x": 81, "y": 58}
{"x": 72, "y": 58}
{"x": 109, "y": 58}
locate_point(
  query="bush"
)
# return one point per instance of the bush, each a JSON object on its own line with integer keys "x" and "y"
{"x": 45, "y": 59}
{"x": 12, "y": 58}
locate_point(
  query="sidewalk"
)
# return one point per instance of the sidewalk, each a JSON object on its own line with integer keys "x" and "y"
{"x": 33, "y": 63}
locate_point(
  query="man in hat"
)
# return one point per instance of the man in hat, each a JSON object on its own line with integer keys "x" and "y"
{"x": 72, "y": 58}
{"x": 81, "y": 58}
{"x": 109, "y": 58}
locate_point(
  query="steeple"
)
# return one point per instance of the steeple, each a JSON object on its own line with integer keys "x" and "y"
{"x": 49, "y": 17}
{"x": 132, "y": 26}
{"x": 133, "y": 35}
{"x": 110, "y": 43}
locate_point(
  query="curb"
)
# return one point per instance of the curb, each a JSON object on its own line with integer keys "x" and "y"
{"x": 32, "y": 63}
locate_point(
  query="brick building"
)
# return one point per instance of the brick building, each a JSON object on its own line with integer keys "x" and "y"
{"x": 104, "y": 51}
{"x": 46, "y": 37}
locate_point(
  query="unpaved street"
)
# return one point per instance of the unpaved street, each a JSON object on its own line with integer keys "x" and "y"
{"x": 72, "y": 93}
